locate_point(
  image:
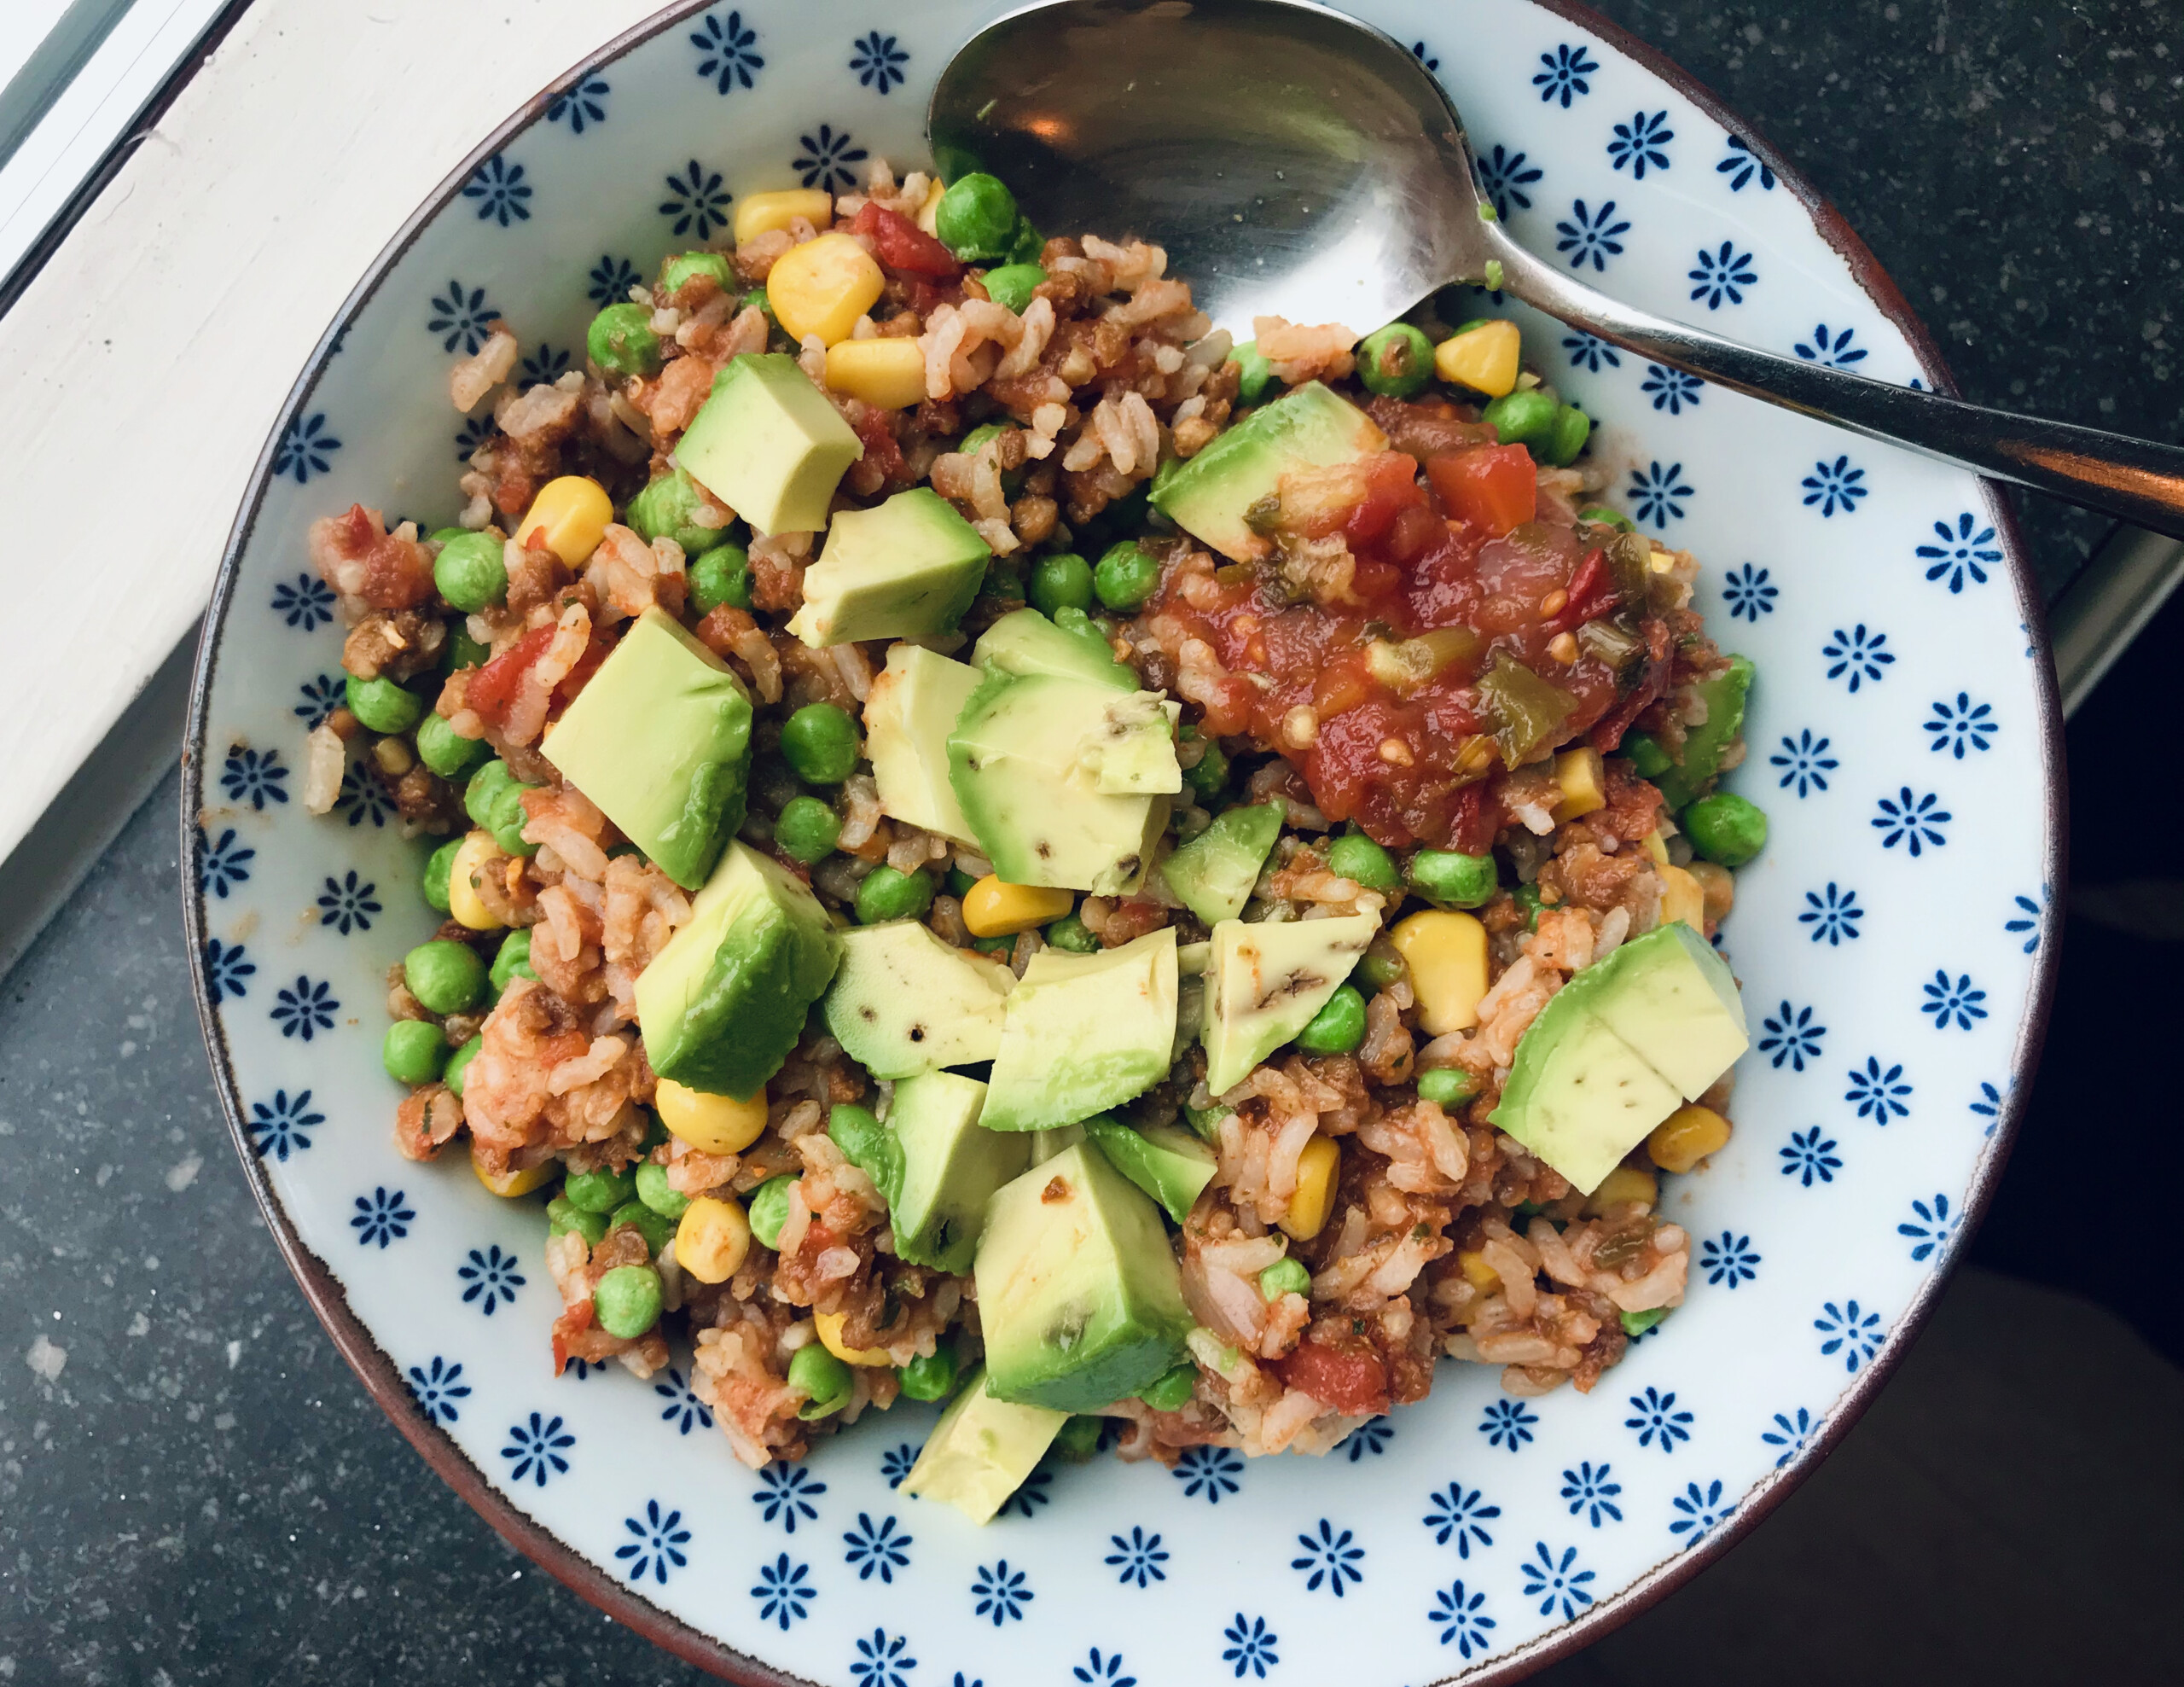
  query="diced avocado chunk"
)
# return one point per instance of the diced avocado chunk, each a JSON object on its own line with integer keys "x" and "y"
{"x": 659, "y": 740}
{"x": 1015, "y": 762}
{"x": 904, "y": 1002}
{"x": 1046, "y": 1144}
{"x": 1213, "y": 495}
{"x": 1620, "y": 1047}
{"x": 1131, "y": 751}
{"x": 722, "y": 1005}
{"x": 1079, "y": 1296}
{"x": 1266, "y": 982}
{"x": 1704, "y": 744}
{"x": 911, "y": 709}
{"x": 1215, "y": 871}
{"x": 981, "y": 1450}
{"x": 1024, "y": 641}
{"x": 1084, "y": 1034}
{"x": 908, "y": 569}
{"x": 1170, "y": 1164}
{"x": 951, "y": 1169}
{"x": 769, "y": 444}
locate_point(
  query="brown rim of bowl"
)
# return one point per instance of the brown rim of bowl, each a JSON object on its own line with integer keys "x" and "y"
{"x": 383, "y": 1380}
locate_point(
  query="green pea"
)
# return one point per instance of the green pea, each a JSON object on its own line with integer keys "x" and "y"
{"x": 1061, "y": 581}
{"x": 930, "y": 1377}
{"x": 447, "y": 751}
{"x": 1255, "y": 375}
{"x": 1528, "y": 904}
{"x": 1520, "y": 418}
{"x": 485, "y": 786}
{"x": 656, "y": 1228}
{"x": 1395, "y": 361}
{"x": 819, "y": 744}
{"x": 470, "y": 571}
{"x": 1647, "y": 755}
{"x": 1126, "y": 577}
{"x": 1637, "y": 1323}
{"x": 508, "y": 820}
{"x": 626, "y": 1303}
{"x": 1209, "y": 774}
{"x": 888, "y": 894}
{"x": 684, "y": 266}
{"x": 1600, "y": 516}
{"x": 439, "y": 865}
{"x": 959, "y": 882}
{"x": 1098, "y": 631}
{"x": 758, "y": 296}
{"x": 1012, "y": 480}
{"x": 667, "y": 508}
{"x": 1078, "y": 1439}
{"x": 1284, "y": 1276}
{"x": 1452, "y": 878}
{"x": 511, "y": 960}
{"x": 1337, "y": 1027}
{"x": 1358, "y": 858}
{"x": 722, "y": 575}
{"x": 768, "y": 1208}
{"x": 1002, "y": 946}
{"x": 446, "y": 977}
{"x": 1725, "y": 829}
{"x": 976, "y": 218}
{"x": 1566, "y": 436}
{"x": 459, "y": 1062}
{"x": 1072, "y": 935}
{"x": 1012, "y": 285}
{"x": 413, "y": 1051}
{"x": 463, "y": 651}
{"x": 1382, "y": 966}
{"x": 382, "y": 706}
{"x": 564, "y": 1215}
{"x": 1173, "y": 1392}
{"x": 1447, "y": 1085}
{"x": 1027, "y": 246}
{"x": 822, "y": 1378}
{"x": 621, "y": 341}
{"x": 807, "y": 829}
{"x": 599, "y": 1191}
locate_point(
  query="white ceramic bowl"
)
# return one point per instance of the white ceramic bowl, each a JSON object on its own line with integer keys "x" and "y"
{"x": 1891, "y": 940}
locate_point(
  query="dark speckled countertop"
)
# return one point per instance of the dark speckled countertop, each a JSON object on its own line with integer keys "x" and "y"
{"x": 194, "y": 1488}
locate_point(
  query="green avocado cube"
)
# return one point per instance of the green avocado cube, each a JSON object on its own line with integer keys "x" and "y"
{"x": 1024, "y": 641}
{"x": 904, "y": 1002}
{"x": 1704, "y": 744}
{"x": 1219, "y": 495}
{"x": 769, "y": 444}
{"x": 659, "y": 740}
{"x": 1672, "y": 997}
{"x": 1171, "y": 1164}
{"x": 722, "y": 1005}
{"x": 908, "y": 569}
{"x": 909, "y": 711}
{"x": 1132, "y": 750}
{"x": 1266, "y": 982}
{"x": 1215, "y": 872}
{"x": 1084, "y": 1034}
{"x": 1079, "y": 1296}
{"x": 951, "y": 1169}
{"x": 981, "y": 1450}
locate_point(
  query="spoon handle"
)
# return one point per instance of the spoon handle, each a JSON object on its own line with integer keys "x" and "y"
{"x": 2135, "y": 479}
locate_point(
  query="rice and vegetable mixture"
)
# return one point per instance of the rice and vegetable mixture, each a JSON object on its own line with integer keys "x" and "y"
{"x": 996, "y": 845}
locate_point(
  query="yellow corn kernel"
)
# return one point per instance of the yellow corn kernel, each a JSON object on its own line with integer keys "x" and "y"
{"x": 1656, "y": 847}
{"x": 710, "y": 1124}
{"x": 889, "y": 374}
{"x": 1319, "y": 1168}
{"x": 823, "y": 286}
{"x": 1719, "y": 886}
{"x": 476, "y": 856}
{"x": 1683, "y": 899}
{"x": 1687, "y": 1137}
{"x": 1446, "y": 954}
{"x": 993, "y": 908}
{"x": 1623, "y": 1184}
{"x": 763, "y": 213}
{"x": 1578, "y": 772}
{"x": 830, "y": 1338}
{"x": 572, "y": 512}
{"x": 1480, "y": 1274}
{"x": 1485, "y": 359}
{"x": 711, "y": 1240}
{"x": 510, "y": 1184}
{"x": 929, "y": 212}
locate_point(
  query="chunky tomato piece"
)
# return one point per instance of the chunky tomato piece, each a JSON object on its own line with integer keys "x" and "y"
{"x": 1496, "y": 488}
{"x": 493, "y": 687}
{"x": 903, "y": 244}
{"x": 1390, "y": 487}
{"x": 578, "y": 676}
{"x": 1352, "y": 1381}
{"x": 1592, "y": 594}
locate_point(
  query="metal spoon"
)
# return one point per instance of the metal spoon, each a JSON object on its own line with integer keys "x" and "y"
{"x": 1295, "y": 161}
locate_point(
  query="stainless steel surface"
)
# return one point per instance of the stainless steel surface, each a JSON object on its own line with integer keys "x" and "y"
{"x": 1294, "y": 161}
{"x": 2108, "y": 605}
